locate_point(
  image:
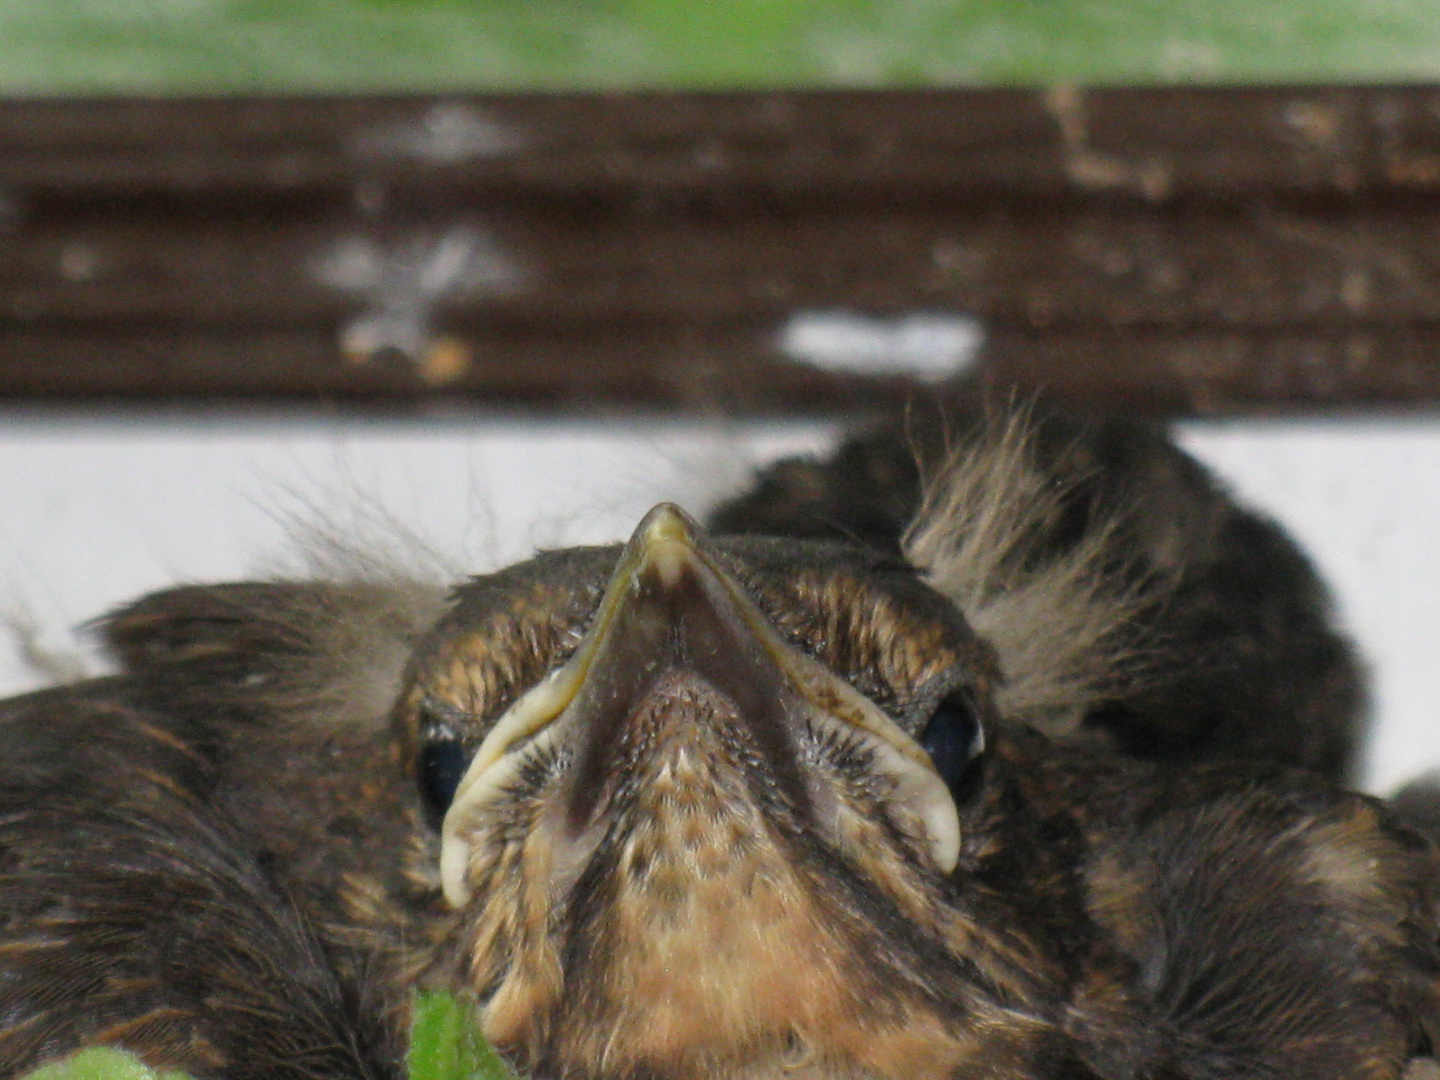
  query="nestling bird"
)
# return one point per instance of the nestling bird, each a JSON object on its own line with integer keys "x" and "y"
{"x": 996, "y": 749}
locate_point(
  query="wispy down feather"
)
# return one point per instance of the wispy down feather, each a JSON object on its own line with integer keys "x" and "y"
{"x": 1067, "y": 620}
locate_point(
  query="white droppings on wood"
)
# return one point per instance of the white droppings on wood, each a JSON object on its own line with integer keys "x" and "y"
{"x": 930, "y": 346}
{"x": 401, "y": 282}
{"x": 447, "y": 133}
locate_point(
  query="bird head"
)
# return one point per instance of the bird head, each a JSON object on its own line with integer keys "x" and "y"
{"x": 702, "y": 807}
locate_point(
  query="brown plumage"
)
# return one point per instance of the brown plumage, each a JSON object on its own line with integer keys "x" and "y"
{"x": 1022, "y": 779}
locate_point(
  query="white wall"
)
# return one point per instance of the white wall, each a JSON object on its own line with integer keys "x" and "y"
{"x": 98, "y": 511}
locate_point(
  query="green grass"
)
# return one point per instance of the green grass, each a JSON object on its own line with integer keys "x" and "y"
{"x": 189, "y": 46}
{"x": 444, "y": 1045}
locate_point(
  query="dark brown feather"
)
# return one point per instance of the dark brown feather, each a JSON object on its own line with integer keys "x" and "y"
{"x": 133, "y": 913}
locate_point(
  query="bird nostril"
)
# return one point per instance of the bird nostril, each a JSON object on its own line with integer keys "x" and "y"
{"x": 797, "y": 1051}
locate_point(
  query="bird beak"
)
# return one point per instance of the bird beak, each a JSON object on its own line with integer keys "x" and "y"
{"x": 669, "y": 603}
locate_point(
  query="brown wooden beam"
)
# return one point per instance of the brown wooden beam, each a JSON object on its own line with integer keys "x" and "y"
{"x": 730, "y": 368}
{"x": 1264, "y": 265}
{"x": 1176, "y": 250}
{"x": 1154, "y": 143}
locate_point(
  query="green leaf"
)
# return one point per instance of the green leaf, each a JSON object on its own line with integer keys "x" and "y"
{"x": 102, "y": 1063}
{"x": 445, "y": 1043}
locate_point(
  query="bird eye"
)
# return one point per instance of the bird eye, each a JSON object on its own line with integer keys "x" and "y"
{"x": 443, "y": 761}
{"x": 953, "y": 737}
{"x": 442, "y": 764}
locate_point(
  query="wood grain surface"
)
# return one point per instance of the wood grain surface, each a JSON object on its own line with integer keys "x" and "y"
{"x": 1167, "y": 250}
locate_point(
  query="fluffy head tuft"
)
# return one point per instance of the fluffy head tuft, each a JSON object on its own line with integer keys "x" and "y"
{"x": 1066, "y": 613}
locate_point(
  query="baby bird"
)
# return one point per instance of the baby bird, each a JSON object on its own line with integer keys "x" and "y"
{"x": 998, "y": 748}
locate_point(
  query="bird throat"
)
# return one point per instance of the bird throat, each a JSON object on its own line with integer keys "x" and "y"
{"x": 698, "y": 907}
{"x": 698, "y": 940}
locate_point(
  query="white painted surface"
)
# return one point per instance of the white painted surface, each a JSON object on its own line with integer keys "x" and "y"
{"x": 97, "y": 512}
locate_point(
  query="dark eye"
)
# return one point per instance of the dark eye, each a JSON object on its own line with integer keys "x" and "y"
{"x": 443, "y": 761}
{"x": 953, "y": 737}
